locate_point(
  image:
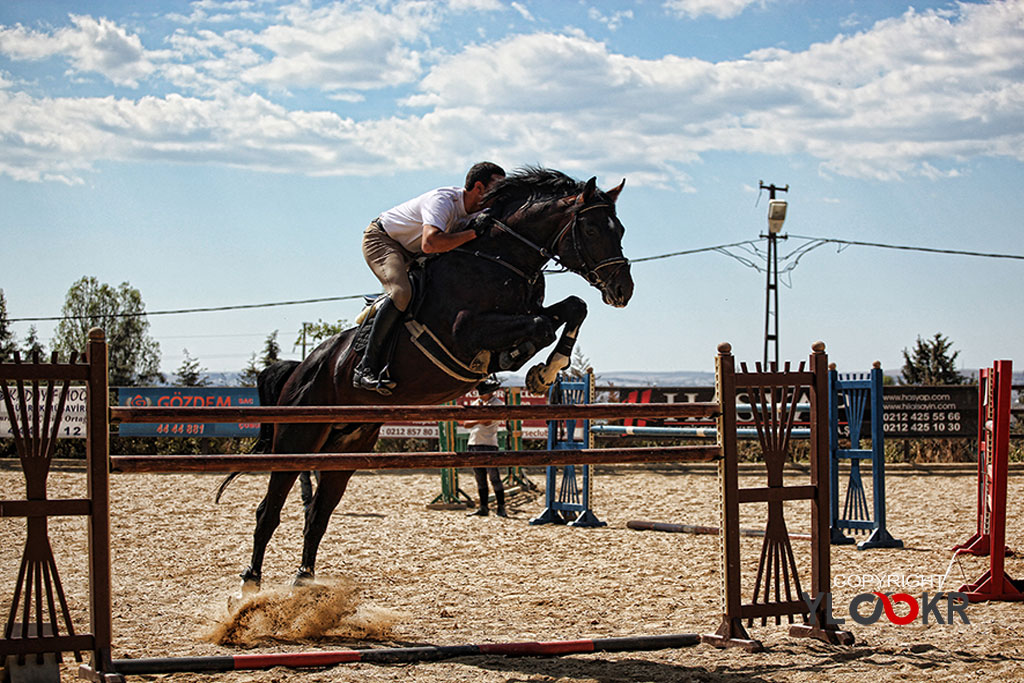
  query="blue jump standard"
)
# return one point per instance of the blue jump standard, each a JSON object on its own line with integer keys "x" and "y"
{"x": 861, "y": 396}
{"x": 569, "y": 502}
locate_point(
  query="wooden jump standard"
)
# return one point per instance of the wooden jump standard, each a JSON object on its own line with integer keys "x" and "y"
{"x": 38, "y": 590}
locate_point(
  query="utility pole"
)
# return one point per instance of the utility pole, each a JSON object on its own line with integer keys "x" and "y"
{"x": 776, "y": 216}
{"x": 305, "y": 327}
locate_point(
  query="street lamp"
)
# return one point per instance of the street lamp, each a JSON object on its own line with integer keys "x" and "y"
{"x": 776, "y": 214}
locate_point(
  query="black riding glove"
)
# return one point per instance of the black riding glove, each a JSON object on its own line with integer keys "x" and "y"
{"x": 480, "y": 223}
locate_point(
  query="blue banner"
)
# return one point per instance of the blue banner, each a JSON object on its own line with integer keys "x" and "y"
{"x": 188, "y": 396}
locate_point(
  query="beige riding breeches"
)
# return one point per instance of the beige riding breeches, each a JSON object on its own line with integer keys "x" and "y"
{"x": 389, "y": 261}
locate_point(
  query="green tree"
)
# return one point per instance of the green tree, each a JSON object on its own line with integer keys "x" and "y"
{"x": 250, "y": 373}
{"x": 133, "y": 356}
{"x": 312, "y": 334}
{"x": 271, "y": 350}
{"x": 578, "y": 364}
{"x": 190, "y": 373}
{"x": 32, "y": 345}
{"x": 8, "y": 342}
{"x": 932, "y": 362}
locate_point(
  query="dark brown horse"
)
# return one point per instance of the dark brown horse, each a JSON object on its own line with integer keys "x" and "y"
{"x": 482, "y": 302}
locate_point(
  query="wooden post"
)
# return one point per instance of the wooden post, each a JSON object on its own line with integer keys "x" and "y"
{"x": 821, "y": 549}
{"x": 98, "y": 485}
{"x": 731, "y": 633}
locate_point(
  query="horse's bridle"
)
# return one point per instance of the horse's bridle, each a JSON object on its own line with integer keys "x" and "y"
{"x": 550, "y": 253}
{"x": 593, "y": 273}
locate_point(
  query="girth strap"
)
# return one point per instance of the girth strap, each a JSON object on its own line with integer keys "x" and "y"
{"x": 431, "y": 347}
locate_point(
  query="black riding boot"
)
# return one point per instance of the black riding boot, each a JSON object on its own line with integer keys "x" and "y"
{"x": 368, "y": 374}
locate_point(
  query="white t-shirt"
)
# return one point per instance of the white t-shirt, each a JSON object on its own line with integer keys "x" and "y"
{"x": 443, "y": 208}
{"x": 486, "y": 433}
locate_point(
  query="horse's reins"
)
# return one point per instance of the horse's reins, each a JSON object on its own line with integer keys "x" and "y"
{"x": 550, "y": 253}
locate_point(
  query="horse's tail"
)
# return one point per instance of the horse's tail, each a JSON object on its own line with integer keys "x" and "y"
{"x": 224, "y": 485}
{"x": 269, "y": 384}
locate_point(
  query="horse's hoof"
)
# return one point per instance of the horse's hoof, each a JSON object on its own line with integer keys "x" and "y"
{"x": 250, "y": 582}
{"x": 535, "y": 379}
{"x": 304, "y": 577}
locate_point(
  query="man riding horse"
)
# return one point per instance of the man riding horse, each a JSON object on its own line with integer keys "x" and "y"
{"x": 482, "y": 311}
{"x": 431, "y": 223}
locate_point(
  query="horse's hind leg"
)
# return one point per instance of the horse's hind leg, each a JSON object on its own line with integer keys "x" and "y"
{"x": 268, "y": 517}
{"x": 328, "y": 494}
{"x": 330, "y": 488}
{"x": 288, "y": 439}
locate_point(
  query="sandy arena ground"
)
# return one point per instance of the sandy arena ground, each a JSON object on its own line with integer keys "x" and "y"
{"x": 445, "y": 578}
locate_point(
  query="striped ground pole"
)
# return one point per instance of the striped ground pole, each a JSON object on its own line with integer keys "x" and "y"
{"x": 390, "y": 655}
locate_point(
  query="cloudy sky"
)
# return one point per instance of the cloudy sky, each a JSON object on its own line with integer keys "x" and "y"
{"x": 223, "y": 153}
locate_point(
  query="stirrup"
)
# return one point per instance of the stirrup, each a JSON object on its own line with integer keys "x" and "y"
{"x": 363, "y": 379}
{"x": 384, "y": 379}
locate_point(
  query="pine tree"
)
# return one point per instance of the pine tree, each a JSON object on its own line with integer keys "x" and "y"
{"x": 250, "y": 373}
{"x": 33, "y": 347}
{"x": 578, "y": 364}
{"x": 271, "y": 350}
{"x": 190, "y": 373}
{"x": 8, "y": 342}
{"x": 932, "y": 362}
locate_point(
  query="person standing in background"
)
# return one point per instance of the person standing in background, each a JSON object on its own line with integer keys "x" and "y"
{"x": 483, "y": 436}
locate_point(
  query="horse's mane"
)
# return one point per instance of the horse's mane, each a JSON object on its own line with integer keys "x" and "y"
{"x": 528, "y": 185}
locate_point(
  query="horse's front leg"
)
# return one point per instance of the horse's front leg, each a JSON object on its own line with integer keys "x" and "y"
{"x": 571, "y": 313}
{"x": 514, "y": 338}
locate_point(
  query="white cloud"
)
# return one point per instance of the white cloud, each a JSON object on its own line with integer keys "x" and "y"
{"x": 912, "y": 94}
{"x": 612, "y": 21}
{"x": 215, "y": 12}
{"x": 523, "y": 12}
{"x": 62, "y": 138}
{"x": 475, "y": 5}
{"x": 919, "y": 94}
{"x": 344, "y": 46}
{"x": 91, "y": 46}
{"x": 720, "y": 9}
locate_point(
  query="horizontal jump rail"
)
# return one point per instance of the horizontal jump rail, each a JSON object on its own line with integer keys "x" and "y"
{"x": 407, "y": 461}
{"x": 686, "y": 432}
{"x": 699, "y": 530}
{"x": 397, "y": 413}
{"x": 393, "y": 655}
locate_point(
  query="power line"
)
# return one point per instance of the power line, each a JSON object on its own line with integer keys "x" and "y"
{"x": 930, "y": 250}
{"x": 814, "y": 242}
{"x": 692, "y": 251}
{"x": 207, "y": 309}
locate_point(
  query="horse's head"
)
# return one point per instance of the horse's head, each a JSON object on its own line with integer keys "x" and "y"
{"x": 550, "y": 215}
{"x": 590, "y": 243}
